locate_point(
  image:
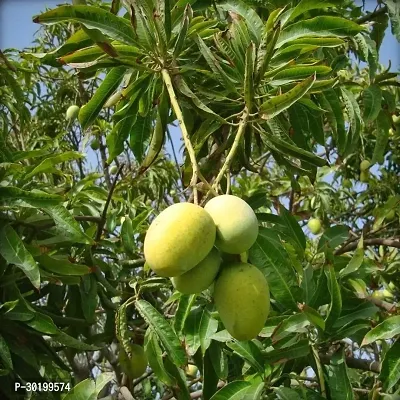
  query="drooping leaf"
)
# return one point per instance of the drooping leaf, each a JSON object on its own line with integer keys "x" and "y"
{"x": 92, "y": 17}
{"x": 13, "y": 196}
{"x": 14, "y": 252}
{"x": 387, "y": 329}
{"x": 390, "y": 372}
{"x": 232, "y": 391}
{"x": 89, "y": 112}
{"x": 61, "y": 266}
{"x": 372, "y": 97}
{"x": 277, "y": 104}
{"x": 163, "y": 330}
{"x": 250, "y": 352}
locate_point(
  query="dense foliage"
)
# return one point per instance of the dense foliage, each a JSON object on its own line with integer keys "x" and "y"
{"x": 277, "y": 102}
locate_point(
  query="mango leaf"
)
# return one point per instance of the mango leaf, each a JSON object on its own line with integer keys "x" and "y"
{"x": 319, "y": 26}
{"x": 394, "y": 12}
{"x": 163, "y": 330}
{"x": 361, "y": 312}
{"x": 185, "y": 304}
{"x": 372, "y": 98}
{"x": 43, "y": 324}
{"x": 154, "y": 356}
{"x": 254, "y": 391}
{"x": 355, "y": 262}
{"x": 232, "y": 391}
{"x": 14, "y": 252}
{"x": 277, "y": 104}
{"x": 387, "y": 329}
{"x": 5, "y": 355}
{"x": 50, "y": 162}
{"x": 269, "y": 255}
{"x": 294, "y": 228}
{"x": 303, "y": 7}
{"x": 208, "y": 326}
{"x": 390, "y": 371}
{"x": 219, "y": 359}
{"x": 180, "y": 378}
{"x": 139, "y": 136}
{"x": 210, "y": 377}
{"x": 89, "y": 389}
{"x": 253, "y": 21}
{"x": 355, "y": 119}
{"x": 89, "y": 297}
{"x": 295, "y": 323}
{"x": 249, "y": 352}
{"x": 279, "y": 356}
{"x": 249, "y": 76}
{"x": 67, "y": 226}
{"x": 333, "y": 237}
{"x": 383, "y": 125}
{"x": 338, "y": 378}
{"x": 92, "y": 17}
{"x": 13, "y": 196}
{"x": 61, "y": 266}
{"x": 89, "y": 112}
{"x": 335, "y": 307}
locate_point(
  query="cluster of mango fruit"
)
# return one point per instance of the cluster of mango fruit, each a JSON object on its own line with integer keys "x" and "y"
{"x": 191, "y": 245}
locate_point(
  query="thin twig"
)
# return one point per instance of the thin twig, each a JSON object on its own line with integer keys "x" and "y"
{"x": 391, "y": 242}
{"x": 372, "y": 15}
{"x": 108, "y": 201}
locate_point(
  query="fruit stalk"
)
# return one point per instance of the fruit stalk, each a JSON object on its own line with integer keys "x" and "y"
{"x": 188, "y": 144}
{"x": 233, "y": 150}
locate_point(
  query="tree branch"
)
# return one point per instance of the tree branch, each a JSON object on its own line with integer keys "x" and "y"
{"x": 372, "y": 15}
{"x": 355, "y": 363}
{"x": 392, "y": 242}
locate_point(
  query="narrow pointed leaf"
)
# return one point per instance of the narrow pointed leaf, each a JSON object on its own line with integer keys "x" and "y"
{"x": 163, "y": 330}
{"x": 385, "y": 330}
{"x": 14, "y": 252}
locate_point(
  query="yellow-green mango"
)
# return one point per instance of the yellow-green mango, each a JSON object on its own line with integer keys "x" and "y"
{"x": 191, "y": 370}
{"x": 241, "y": 296}
{"x": 72, "y": 112}
{"x": 364, "y": 176}
{"x": 314, "y": 225}
{"x": 135, "y": 366}
{"x": 237, "y": 225}
{"x": 201, "y": 276}
{"x": 178, "y": 239}
{"x": 364, "y": 165}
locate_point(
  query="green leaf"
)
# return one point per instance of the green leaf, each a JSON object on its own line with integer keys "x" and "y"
{"x": 394, "y": 12}
{"x": 70, "y": 341}
{"x": 120, "y": 132}
{"x": 207, "y": 327}
{"x": 277, "y": 104}
{"x": 335, "y": 307}
{"x": 92, "y": 17}
{"x": 338, "y": 378}
{"x": 249, "y": 352}
{"x": 154, "y": 356}
{"x": 372, "y": 97}
{"x": 303, "y": 7}
{"x": 89, "y": 297}
{"x": 269, "y": 255}
{"x": 43, "y": 323}
{"x": 295, "y": 323}
{"x": 14, "y": 252}
{"x": 5, "y": 355}
{"x": 67, "y": 226}
{"x": 355, "y": 262}
{"x": 89, "y": 112}
{"x": 387, "y": 329}
{"x": 298, "y": 72}
{"x": 383, "y": 124}
{"x": 61, "y": 266}
{"x": 249, "y": 76}
{"x": 333, "y": 237}
{"x": 219, "y": 359}
{"x": 294, "y": 228}
{"x": 185, "y": 304}
{"x": 13, "y": 196}
{"x": 318, "y": 27}
{"x": 163, "y": 330}
{"x": 331, "y": 102}
{"x": 254, "y": 391}
{"x": 298, "y": 350}
{"x": 355, "y": 119}
{"x": 253, "y": 21}
{"x": 139, "y": 136}
{"x": 182, "y": 389}
{"x": 89, "y": 389}
{"x": 390, "y": 372}
{"x": 361, "y": 312}
{"x": 210, "y": 377}
{"x": 232, "y": 391}
{"x": 48, "y": 164}
{"x": 285, "y": 393}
